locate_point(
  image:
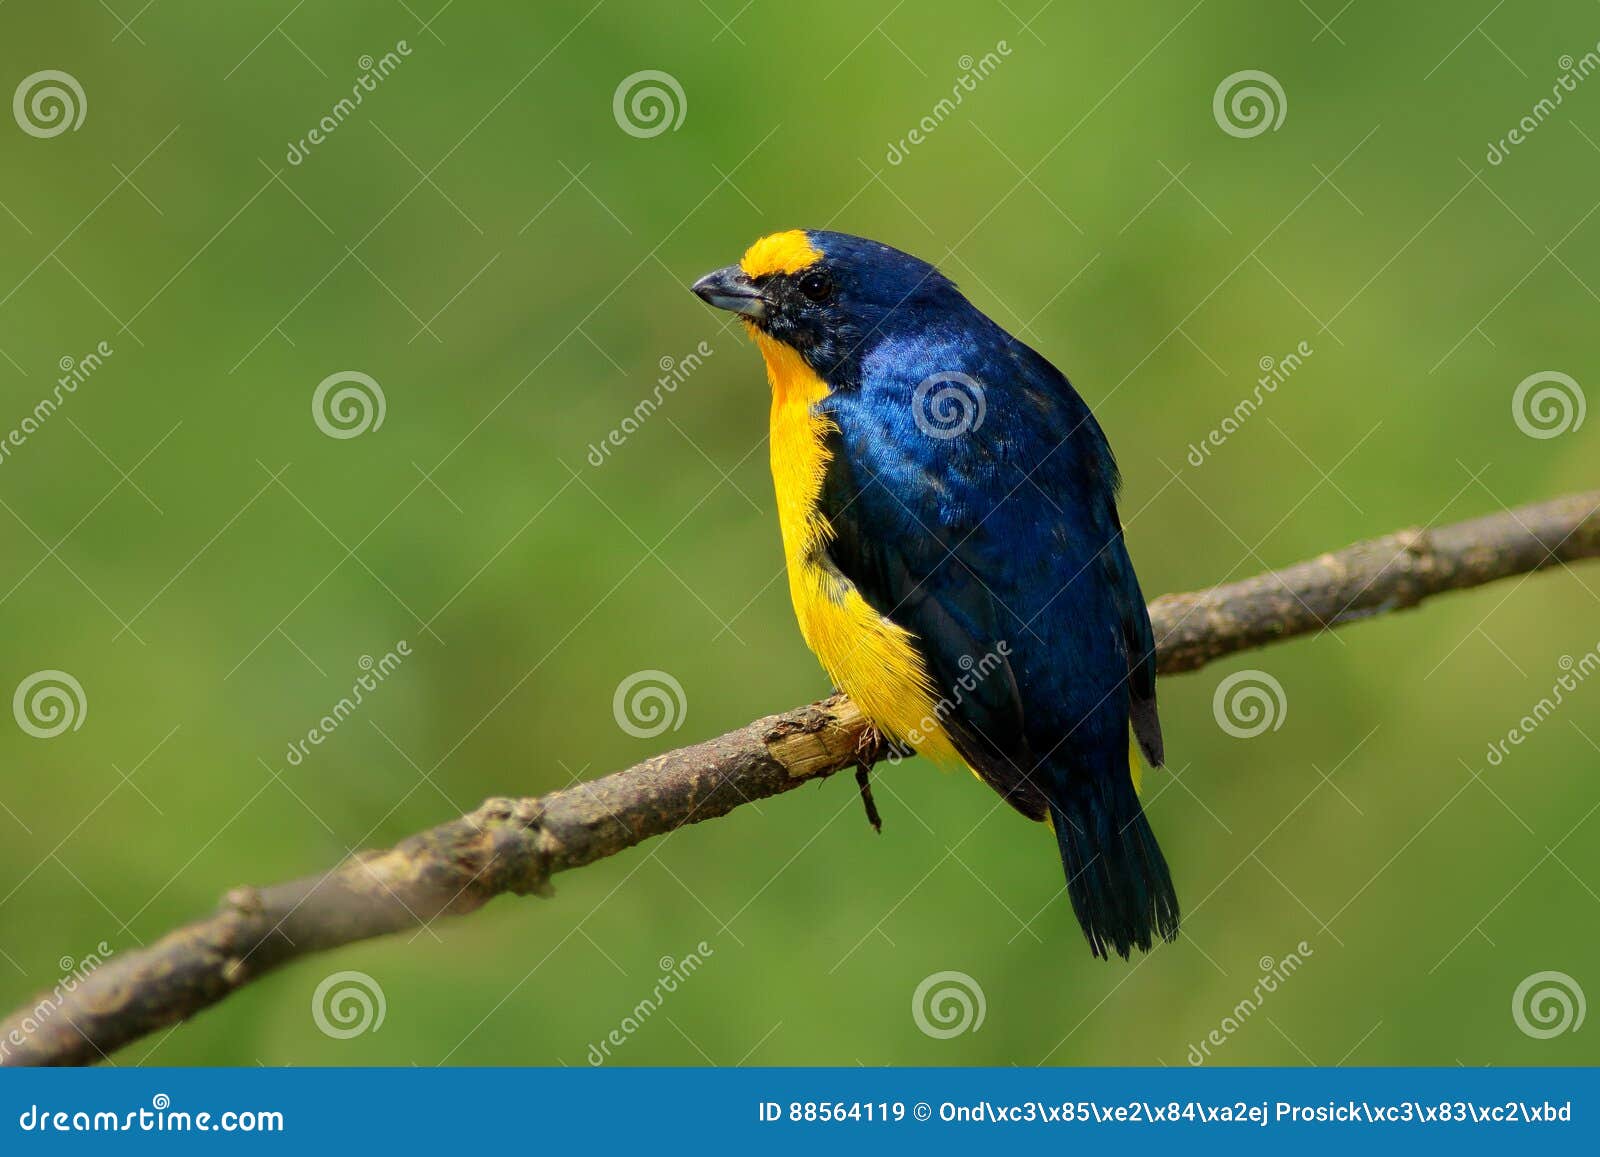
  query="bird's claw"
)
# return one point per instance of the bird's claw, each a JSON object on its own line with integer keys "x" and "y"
{"x": 870, "y": 747}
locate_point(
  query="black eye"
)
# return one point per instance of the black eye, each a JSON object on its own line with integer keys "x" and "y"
{"x": 816, "y": 286}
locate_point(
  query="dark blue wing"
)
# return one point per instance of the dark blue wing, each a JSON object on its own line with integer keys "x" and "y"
{"x": 927, "y": 577}
{"x": 1003, "y": 537}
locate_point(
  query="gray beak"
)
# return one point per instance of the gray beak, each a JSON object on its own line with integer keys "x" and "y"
{"x": 730, "y": 289}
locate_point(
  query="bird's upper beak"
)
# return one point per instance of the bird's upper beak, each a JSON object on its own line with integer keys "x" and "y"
{"x": 730, "y": 289}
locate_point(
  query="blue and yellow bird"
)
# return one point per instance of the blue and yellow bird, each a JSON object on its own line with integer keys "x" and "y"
{"x": 956, "y": 561}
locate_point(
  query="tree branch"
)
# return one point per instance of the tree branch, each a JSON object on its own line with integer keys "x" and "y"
{"x": 516, "y": 845}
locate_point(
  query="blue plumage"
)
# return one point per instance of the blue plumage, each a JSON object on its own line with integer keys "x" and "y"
{"x": 972, "y": 500}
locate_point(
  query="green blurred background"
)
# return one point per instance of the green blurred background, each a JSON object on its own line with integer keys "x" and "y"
{"x": 483, "y": 239}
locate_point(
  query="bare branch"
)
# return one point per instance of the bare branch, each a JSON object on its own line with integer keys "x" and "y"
{"x": 1383, "y": 574}
{"x": 516, "y": 845}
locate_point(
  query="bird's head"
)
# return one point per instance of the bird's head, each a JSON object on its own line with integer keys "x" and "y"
{"x": 829, "y": 296}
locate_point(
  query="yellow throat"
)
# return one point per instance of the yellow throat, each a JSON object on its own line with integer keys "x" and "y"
{"x": 868, "y": 657}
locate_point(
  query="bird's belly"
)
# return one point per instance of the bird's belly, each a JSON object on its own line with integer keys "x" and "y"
{"x": 869, "y": 658}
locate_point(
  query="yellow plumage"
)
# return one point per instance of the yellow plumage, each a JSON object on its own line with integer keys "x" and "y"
{"x": 786, "y": 252}
{"x": 843, "y": 325}
{"x": 869, "y": 658}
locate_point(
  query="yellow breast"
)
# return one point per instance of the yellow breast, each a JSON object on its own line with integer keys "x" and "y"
{"x": 868, "y": 657}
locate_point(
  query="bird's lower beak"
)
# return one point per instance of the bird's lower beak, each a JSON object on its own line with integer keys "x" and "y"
{"x": 730, "y": 289}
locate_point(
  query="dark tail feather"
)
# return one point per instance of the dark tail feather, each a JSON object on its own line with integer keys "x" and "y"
{"x": 1116, "y": 875}
{"x": 1147, "y": 728}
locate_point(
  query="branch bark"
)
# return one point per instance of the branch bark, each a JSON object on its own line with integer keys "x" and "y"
{"x": 515, "y": 845}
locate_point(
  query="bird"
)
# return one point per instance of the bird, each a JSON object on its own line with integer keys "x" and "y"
{"x": 948, "y": 509}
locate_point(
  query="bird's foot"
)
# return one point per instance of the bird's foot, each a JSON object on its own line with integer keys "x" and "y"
{"x": 864, "y": 782}
{"x": 870, "y": 747}
{"x": 873, "y": 746}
